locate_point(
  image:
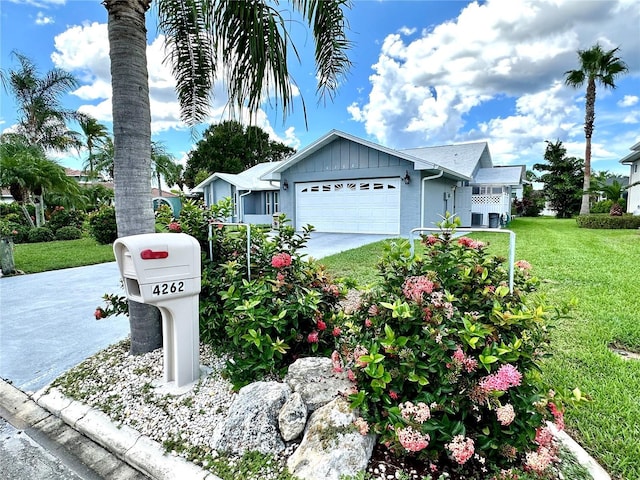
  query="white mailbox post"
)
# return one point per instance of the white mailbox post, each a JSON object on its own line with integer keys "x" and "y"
{"x": 163, "y": 269}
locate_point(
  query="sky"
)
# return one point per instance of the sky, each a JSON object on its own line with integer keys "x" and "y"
{"x": 425, "y": 73}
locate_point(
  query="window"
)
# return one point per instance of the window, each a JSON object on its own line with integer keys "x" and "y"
{"x": 326, "y": 187}
{"x": 364, "y": 186}
{"x": 272, "y": 200}
{"x": 315, "y": 188}
{"x": 235, "y": 203}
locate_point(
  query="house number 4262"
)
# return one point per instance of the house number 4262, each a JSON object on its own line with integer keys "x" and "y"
{"x": 167, "y": 288}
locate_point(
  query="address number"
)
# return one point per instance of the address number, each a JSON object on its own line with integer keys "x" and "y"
{"x": 167, "y": 288}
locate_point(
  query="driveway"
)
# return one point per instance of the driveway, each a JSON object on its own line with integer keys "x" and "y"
{"x": 324, "y": 244}
{"x": 47, "y": 324}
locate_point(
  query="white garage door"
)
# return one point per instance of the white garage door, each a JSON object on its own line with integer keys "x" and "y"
{"x": 350, "y": 206}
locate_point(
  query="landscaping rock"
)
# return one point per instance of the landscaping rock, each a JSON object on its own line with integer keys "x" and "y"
{"x": 315, "y": 380}
{"x": 293, "y": 417}
{"x": 331, "y": 446}
{"x": 252, "y": 421}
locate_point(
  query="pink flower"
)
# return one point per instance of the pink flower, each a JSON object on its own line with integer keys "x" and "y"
{"x": 313, "y": 337}
{"x": 281, "y": 260}
{"x": 558, "y": 415}
{"x": 420, "y": 412}
{"x": 373, "y": 310}
{"x": 362, "y": 425}
{"x": 539, "y": 460}
{"x": 393, "y": 395}
{"x": 412, "y": 440}
{"x": 280, "y": 277}
{"x": 99, "y": 313}
{"x": 336, "y": 362}
{"x": 544, "y": 437}
{"x": 321, "y": 325}
{"x": 523, "y": 265}
{"x": 368, "y": 323}
{"x": 461, "y": 448}
{"x": 358, "y": 352}
{"x": 505, "y": 414}
{"x": 336, "y": 331}
{"x": 351, "y": 376}
{"x": 431, "y": 240}
{"x": 470, "y": 243}
{"x": 175, "y": 227}
{"x": 462, "y": 360}
{"x": 414, "y": 287}
{"x": 507, "y": 376}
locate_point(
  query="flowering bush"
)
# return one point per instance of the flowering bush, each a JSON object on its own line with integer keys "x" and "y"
{"x": 444, "y": 358}
{"x": 287, "y": 309}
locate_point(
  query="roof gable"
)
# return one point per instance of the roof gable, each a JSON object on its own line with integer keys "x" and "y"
{"x": 419, "y": 163}
{"x": 249, "y": 179}
{"x": 510, "y": 175}
{"x": 465, "y": 158}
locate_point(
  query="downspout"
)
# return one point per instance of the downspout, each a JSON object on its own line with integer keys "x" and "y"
{"x": 422, "y": 194}
{"x": 241, "y": 210}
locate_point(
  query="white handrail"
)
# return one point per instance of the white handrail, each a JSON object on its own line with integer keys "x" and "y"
{"x": 512, "y": 243}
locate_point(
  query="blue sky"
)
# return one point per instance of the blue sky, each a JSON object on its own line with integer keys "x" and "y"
{"x": 425, "y": 73}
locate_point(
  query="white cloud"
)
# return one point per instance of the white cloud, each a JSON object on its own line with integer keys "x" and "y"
{"x": 40, "y": 3}
{"x": 42, "y": 19}
{"x": 628, "y": 101}
{"x": 428, "y": 91}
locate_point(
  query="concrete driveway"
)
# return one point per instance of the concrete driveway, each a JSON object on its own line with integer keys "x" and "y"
{"x": 324, "y": 244}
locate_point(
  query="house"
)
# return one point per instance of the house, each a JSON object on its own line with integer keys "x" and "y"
{"x": 342, "y": 183}
{"x": 254, "y": 200}
{"x": 633, "y": 192}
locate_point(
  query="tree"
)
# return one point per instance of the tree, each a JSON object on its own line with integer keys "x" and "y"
{"x": 596, "y": 67}
{"x": 103, "y": 158}
{"x": 164, "y": 165}
{"x": 26, "y": 171}
{"x": 95, "y": 135}
{"x": 249, "y": 40}
{"x": 43, "y": 120}
{"x": 563, "y": 180}
{"x": 229, "y": 147}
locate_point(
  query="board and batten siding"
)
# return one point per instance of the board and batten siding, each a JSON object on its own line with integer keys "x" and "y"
{"x": 346, "y": 160}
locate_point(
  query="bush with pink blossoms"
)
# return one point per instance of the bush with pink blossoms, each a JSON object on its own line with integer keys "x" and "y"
{"x": 445, "y": 358}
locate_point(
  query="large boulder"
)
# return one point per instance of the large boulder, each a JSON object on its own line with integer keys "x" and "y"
{"x": 316, "y": 381}
{"x": 293, "y": 417}
{"x": 252, "y": 422}
{"x": 332, "y": 446}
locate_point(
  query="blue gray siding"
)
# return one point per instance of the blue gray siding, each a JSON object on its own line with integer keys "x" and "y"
{"x": 343, "y": 159}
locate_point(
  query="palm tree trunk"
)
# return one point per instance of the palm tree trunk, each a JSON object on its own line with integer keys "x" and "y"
{"x": 585, "y": 206}
{"x": 132, "y": 145}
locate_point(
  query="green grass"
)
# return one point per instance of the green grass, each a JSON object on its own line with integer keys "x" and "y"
{"x": 42, "y": 257}
{"x": 599, "y": 268}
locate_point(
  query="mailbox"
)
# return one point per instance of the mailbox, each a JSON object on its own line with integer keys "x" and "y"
{"x": 163, "y": 269}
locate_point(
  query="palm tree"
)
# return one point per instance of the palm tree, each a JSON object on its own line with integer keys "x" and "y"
{"x": 27, "y": 172}
{"x": 163, "y": 164}
{"x": 95, "y": 135}
{"x": 596, "y": 67}
{"x": 250, "y": 39}
{"x": 43, "y": 119}
{"x": 103, "y": 158}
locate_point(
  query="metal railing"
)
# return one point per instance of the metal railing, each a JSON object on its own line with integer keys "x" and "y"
{"x": 512, "y": 243}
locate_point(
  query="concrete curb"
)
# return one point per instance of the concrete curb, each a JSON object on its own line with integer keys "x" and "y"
{"x": 586, "y": 460}
{"x": 128, "y": 444}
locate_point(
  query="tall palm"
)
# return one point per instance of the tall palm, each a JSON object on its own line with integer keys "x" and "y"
{"x": 596, "y": 67}
{"x": 95, "y": 135}
{"x": 162, "y": 164}
{"x": 43, "y": 120}
{"x": 103, "y": 158}
{"x": 249, "y": 39}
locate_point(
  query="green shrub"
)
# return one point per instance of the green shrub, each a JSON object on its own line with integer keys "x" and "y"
{"x": 602, "y": 207}
{"x": 606, "y": 221}
{"x": 68, "y": 233}
{"x": 61, "y": 217}
{"x": 445, "y": 358}
{"x": 40, "y": 234}
{"x": 102, "y": 225}
{"x": 288, "y": 309}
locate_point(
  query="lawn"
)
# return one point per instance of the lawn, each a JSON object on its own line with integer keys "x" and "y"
{"x": 597, "y": 268}
{"x": 43, "y": 257}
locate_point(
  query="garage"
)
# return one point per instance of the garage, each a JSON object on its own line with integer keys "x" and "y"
{"x": 350, "y": 206}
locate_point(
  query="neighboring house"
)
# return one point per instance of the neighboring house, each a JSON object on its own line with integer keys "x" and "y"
{"x": 5, "y": 196}
{"x": 254, "y": 200}
{"x": 342, "y": 183}
{"x": 633, "y": 192}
